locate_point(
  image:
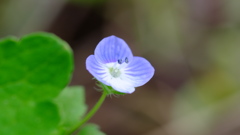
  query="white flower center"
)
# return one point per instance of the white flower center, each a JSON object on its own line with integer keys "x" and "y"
{"x": 115, "y": 72}
{"x": 116, "y": 68}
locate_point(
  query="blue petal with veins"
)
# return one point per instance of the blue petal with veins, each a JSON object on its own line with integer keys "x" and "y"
{"x": 114, "y": 65}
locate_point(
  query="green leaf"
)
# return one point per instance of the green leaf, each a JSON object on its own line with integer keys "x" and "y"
{"x": 33, "y": 69}
{"x": 71, "y": 104}
{"x": 28, "y": 118}
{"x": 90, "y": 129}
{"x": 36, "y": 67}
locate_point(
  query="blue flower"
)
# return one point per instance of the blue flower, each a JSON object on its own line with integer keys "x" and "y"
{"x": 114, "y": 65}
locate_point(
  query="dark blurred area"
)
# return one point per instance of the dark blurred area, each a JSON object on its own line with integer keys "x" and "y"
{"x": 194, "y": 46}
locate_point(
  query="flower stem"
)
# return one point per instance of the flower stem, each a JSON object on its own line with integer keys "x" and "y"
{"x": 90, "y": 113}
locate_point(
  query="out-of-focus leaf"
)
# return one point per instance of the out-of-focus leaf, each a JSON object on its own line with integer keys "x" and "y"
{"x": 224, "y": 50}
{"x": 71, "y": 104}
{"x": 202, "y": 101}
{"x": 215, "y": 87}
{"x": 90, "y": 129}
{"x": 33, "y": 69}
{"x": 18, "y": 117}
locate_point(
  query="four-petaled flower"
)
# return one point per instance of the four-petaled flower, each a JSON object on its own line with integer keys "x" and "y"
{"x": 114, "y": 65}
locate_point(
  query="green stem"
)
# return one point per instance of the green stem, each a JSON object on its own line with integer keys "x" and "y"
{"x": 90, "y": 113}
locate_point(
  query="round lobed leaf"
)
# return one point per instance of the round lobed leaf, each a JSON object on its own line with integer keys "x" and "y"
{"x": 36, "y": 67}
{"x": 33, "y": 70}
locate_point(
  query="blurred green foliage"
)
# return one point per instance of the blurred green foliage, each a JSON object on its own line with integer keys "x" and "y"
{"x": 90, "y": 129}
{"x": 34, "y": 71}
{"x": 71, "y": 104}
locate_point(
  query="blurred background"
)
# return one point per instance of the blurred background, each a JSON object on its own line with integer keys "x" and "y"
{"x": 194, "y": 46}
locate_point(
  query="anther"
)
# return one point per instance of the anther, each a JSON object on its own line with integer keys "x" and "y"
{"x": 120, "y": 61}
{"x": 126, "y": 60}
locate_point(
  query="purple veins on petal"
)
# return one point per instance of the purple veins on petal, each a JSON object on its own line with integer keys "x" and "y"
{"x": 97, "y": 69}
{"x": 139, "y": 71}
{"x": 111, "y": 49}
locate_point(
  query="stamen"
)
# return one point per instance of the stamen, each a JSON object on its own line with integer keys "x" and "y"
{"x": 126, "y": 59}
{"x": 115, "y": 72}
{"x": 120, "y": 61}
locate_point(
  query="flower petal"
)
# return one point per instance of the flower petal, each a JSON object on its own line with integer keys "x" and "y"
{"x": 122, "y": 86}
{"x": 138, "y": 72}
{"x": 112, "y": 49}
{"x": 97, "y": 69}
